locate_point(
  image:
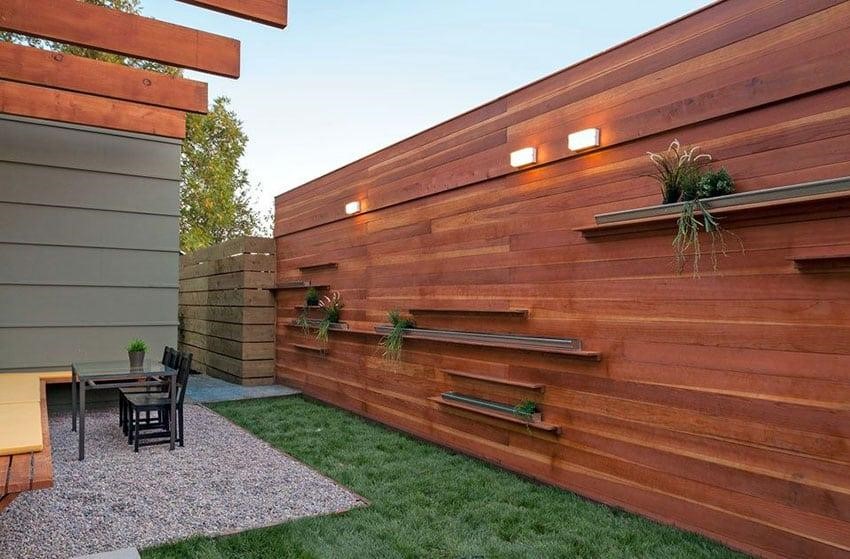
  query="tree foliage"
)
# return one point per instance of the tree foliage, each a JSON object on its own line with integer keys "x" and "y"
{"x": 216, "y": 200}
{"x": 216, "y": 193}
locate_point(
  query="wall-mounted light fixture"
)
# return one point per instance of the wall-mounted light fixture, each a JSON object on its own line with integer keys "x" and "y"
{"x": 352, "y": 207}
{"x": 523, "y": 157}
{"x": 583, "y": 139}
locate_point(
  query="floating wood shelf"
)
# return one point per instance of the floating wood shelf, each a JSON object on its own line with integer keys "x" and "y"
{"x": 538, "y": 425}
{"x": 307, "y": 307}
{"x": 561, "y": 346}
{"x": 337, "y": 328}
{"x": 298, "y": 285}
{"x": 503, "y": 382}
{"x": 314, "y": 323}
{"x": 822, "y": 261}
{"x": 510, "y": 313}
{"x": 768, "y": 199}
{"x": 314, "y": 267}
{"x": 313, "y": 348}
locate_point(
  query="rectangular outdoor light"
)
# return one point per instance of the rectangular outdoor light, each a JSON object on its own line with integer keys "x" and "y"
{"x": 583, "y": 139}
{"x": 523, "y": 157}
{"x": 352, "y": 207}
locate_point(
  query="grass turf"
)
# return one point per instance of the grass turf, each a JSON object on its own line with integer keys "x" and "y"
{"x": 425, "y": 502}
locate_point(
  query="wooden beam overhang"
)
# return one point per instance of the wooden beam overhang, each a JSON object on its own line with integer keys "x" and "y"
{"x": 94, "y": 77}
{"x": 268, "y": 12}
{"x": 109, "y": 30}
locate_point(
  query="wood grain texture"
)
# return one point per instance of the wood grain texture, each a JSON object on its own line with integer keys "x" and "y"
{"x": 34, "y": 66}
{"x": 106, "y": 29}
{"x": 77, "y": 108}
{"x": 269, "y": 12}
{"x": 226, "y": 309}
{"x": 719, "y": 404}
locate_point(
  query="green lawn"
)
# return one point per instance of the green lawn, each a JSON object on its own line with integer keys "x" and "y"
{"x": 425, "y": 502}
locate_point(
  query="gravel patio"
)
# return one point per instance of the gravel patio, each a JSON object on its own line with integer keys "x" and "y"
{"x": 224, "y": 480}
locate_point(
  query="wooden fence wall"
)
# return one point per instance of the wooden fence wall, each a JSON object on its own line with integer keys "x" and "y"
{"x": 227, "y": 310}
{"x": 719, "y": 404}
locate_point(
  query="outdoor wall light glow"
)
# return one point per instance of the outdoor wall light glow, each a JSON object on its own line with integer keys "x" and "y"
{"x": 352, "y": 207}
{"x": 524, "y": 156}
{"x": 583, "y": 139}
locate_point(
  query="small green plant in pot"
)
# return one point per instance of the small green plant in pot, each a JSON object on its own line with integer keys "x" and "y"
{"x": 528, "y": 410}
{"x": 312, "y": 297}
{"x": 332, "y": 308}
{"x": 136, "y": 350}
{"x": 392, "y": 342}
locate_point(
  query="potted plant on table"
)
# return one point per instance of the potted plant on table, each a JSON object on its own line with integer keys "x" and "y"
{"x": 136, "y": 351}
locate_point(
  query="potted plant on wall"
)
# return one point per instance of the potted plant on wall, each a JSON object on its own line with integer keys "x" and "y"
{"x": 136, "y": 351}
{"x": 312, "y": 297}
{"x": 681, "y": 172}
{"x": 331, "y": 308}
{"x": 393, "y": 341}
{"x": 528, "y": 410}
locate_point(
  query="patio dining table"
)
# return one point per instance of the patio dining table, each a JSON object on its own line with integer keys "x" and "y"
{"x": 100, "y": 375}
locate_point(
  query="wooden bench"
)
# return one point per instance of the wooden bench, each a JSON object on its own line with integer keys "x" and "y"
{"x": 32, "y": 470}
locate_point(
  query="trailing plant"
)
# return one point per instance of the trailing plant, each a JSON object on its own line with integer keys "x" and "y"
{"x": 137, "y": 345}
{"x": 332, "y": 308}
{"x": 312, "y": 297}
{"x": 526, "y": 409}
{"x": 680, "y": 172}
{"x": 392, "y": 342}
{"x": 677, "y": 170}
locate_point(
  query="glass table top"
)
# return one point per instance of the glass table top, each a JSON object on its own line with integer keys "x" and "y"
{"x": 94, "y": 369}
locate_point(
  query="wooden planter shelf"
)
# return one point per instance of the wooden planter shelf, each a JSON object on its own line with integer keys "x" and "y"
{"x": 313, "y": 348}
{"x": 570, "y": 347}
{"x": 502, "y": 382}
{"x": 757, "y": 201}
{"x": 510, "y": 313}
{"x": 322, "y": 266}
{"x": 821, "y": 261}
{"x": 298, "y": 285}
{"x": 537, "y": 425}
{"x": 314, "y": 323}
{"x": 307, "y": 307}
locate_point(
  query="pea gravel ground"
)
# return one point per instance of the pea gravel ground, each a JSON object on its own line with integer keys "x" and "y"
{"x": 224, "y": 480}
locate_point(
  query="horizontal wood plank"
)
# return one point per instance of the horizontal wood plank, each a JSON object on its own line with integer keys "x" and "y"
{"x": 269, "y": 12}
{"x": 110, "y": 30}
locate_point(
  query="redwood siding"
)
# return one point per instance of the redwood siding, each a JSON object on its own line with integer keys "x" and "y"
{"x": 719, "y": 404}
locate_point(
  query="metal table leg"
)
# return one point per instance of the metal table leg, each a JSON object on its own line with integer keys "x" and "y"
{"x": 172, "y": 420}
{"x": 74, "y": 380}
{"x": 82, "y": 443}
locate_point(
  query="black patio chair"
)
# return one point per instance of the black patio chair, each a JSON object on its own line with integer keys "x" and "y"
{"x": 145, "y": 433}
{"x": 170, "y": 357}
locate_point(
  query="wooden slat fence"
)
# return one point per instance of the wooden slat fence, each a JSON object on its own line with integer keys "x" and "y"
{"x": 227, "y": 309}
{"x": 719, "y": 404}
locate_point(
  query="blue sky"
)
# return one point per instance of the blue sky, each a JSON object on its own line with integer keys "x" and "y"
{"x": 349, "y": 77}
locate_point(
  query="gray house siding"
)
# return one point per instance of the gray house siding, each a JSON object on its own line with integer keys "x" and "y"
{"x": 88, "y": 242}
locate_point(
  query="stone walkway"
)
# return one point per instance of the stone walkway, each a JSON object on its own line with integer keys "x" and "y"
{"x": 224, "y": 480}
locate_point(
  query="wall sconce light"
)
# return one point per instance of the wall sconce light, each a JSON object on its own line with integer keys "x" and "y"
{"x": 352, "y": 207}
{"x": 583, "y": 139}
{"x": 523, "y": 157}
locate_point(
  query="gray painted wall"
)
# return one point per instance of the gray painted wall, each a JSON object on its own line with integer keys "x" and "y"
{"x": 88, "y": 242}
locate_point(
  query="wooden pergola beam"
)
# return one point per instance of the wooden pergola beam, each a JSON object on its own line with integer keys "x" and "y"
{"x": 83, "y": 75}
{"x": 86, "y": 25}
{"x": 269, "y": 12}
{"x": 78, "y": 108}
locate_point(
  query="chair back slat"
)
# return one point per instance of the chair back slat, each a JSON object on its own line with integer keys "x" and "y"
{"x": 183, "y": 370}
{"x": 172, "y": 358}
